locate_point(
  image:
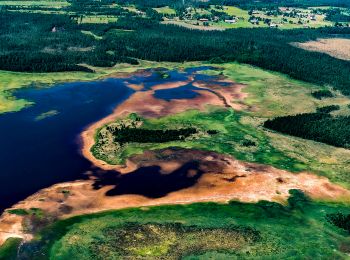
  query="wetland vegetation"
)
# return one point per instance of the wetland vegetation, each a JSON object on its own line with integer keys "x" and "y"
{"x": 199, "y": 231}
{"x": 296, "y": 121}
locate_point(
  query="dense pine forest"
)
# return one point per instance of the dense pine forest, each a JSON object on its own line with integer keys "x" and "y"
{"x": 320, "y": 126}
{"x": 139, "y": 135}
{"x": 39, "y": 42}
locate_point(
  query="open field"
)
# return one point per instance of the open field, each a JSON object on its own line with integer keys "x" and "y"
{"x": 98, "y": 19}
{"x": 335, "y": 47}
{"x": 49, "y": 4}
{"x": 165, "y": 10}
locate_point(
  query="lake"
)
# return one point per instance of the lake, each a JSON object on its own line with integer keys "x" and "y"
{"x": 39, "y": 145}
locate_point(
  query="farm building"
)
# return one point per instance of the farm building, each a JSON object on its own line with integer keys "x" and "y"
{"x": 231, "y": 21}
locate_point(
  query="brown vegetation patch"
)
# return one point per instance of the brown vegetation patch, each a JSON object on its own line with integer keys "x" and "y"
{"x": 216, "y": 177}
{"x": 335, "y": 47}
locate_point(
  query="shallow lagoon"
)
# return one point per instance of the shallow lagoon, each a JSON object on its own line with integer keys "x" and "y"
{"x": 40, "y": 144}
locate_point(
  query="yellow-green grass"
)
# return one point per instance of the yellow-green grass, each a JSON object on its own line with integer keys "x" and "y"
{"x": 98, "y": 19}
{"x": 54, "y": 4}
{"x": 131, "y": 8}
{"x": 52, "y": 11}
{"x": 92, "y": 34}
{"x": 274, "y": 94}
{"x": 200, "y": 11}
{"x": 165, "y": 10}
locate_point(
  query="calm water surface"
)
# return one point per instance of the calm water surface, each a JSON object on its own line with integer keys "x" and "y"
{"x": 39, "y": 145}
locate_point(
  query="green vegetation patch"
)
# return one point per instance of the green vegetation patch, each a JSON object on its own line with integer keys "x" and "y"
{"x": 235, "y": 229}
{"x": 340, "y": 220}
{"x": 8, "y": 250}
{"x": 219, "y": 130}
{"x": 168, "y": 240}
{"x": 24, "y": 212}
{"x": 322, "y": 94}
{"x": 47, "y": 114}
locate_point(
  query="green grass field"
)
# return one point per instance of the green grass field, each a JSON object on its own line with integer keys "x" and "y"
{"x": 200, "y": 231}
{"x": 53, "y": 4}
{"x": 98, "y": 19}
{"x": 8, "y": 250}
{"x": 165, "y": 10}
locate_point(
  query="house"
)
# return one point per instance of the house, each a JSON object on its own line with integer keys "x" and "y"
{"x": 273, "y": 25}
{"x": 312, "y": 17}
{"x": 54, "y": 29}
{"x": 254, "y": 21}
{"x": 231, "y": 21}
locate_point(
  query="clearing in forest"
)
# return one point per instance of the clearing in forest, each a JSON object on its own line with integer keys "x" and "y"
{"x": 335, "y": 47}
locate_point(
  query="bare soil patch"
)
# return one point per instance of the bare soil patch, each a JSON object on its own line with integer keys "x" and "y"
{"x": 218, "y": 178}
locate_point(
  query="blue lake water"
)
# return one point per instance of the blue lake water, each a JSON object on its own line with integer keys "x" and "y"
{"x": 39, "y": 145}
{"x": 34, "y": 153}
{"x": 183, "y": 92}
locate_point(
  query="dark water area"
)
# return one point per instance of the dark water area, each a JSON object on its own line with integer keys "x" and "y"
{"x": 39, "y": 145}
{"x": 150, "y": 181}
{"x": 37, "y": 152}
{"x": 183, "y": 92}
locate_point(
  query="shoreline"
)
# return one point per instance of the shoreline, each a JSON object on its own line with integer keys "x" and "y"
{"x": 219, "y": 178}
{"x": 209, "y": 95}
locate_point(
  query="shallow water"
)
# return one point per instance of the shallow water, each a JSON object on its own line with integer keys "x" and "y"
{"x": 39, "y": 146}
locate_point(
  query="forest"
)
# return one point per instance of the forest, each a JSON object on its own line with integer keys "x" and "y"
{"x": 340, "y": 220}
{"x": 320, "y": 94}
{"x": 38, "y": 42}
{"x": 139, "y": 135}
{"x": 319, "y": 126}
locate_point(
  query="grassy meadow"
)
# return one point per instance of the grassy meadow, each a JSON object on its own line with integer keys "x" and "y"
{"x": 165, "y": 10}
{"x": 199, "y": 231}
{"x": 49, "y": 4}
